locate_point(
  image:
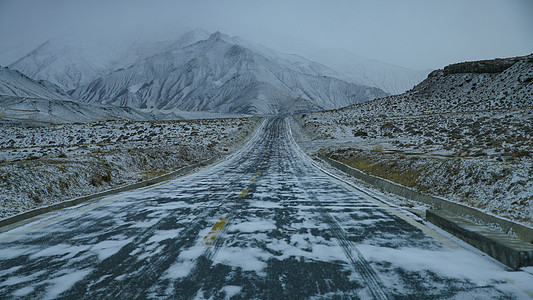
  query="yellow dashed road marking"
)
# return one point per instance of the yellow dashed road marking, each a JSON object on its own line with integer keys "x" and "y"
{"x": 260, "y": 167}
{"x": 252, "y": 180}
{"x": 258, "y": 172}
{"x": 209, "y": 239}
{"x": 243, "y": 193}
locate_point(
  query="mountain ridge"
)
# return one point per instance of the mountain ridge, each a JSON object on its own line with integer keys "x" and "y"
{"x": 25, "y": 99}
{"x": 70, "y": 64}
{"x": 22, "y": 98}
{"x": 80, "y": 65}
{"x": 219, "y": 74}
{"x": 477, "y": 85}
{"x": 371, "y": 72}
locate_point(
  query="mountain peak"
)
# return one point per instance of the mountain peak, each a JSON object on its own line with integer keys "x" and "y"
{"x": 219, "y": 36}
{"x": 198, "y": 32}
{"x": 216, "y": 35}
{"x": 221, "y": 74}
{"x": 199, "y": 71}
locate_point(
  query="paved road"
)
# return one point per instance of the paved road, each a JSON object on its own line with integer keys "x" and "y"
{"x": 263, "y": 224}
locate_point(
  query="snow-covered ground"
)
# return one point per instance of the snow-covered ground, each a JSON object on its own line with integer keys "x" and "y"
{"x": 41, "y": 165}
{"x": 262, "y": 224}
{"x": 491, "y": 169}
{"x": 467, "y": 137}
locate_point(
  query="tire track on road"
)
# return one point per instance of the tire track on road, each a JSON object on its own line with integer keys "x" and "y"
{"x": 155, "y": 266}
{"x": 203, "y": 261}
{"x": 356, "y": 259}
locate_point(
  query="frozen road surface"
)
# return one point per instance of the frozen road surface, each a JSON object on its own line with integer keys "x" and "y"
{"x": 263, "y": 224}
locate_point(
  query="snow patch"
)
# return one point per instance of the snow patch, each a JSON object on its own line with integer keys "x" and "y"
{"x": 249, "y": 259}
{"x": 108, "y": 248}
{"x": 231, "y": 290}
{"x": 134, "y": 88}
{"x": 253, "y": 226}
{"x": 63, "y": 283}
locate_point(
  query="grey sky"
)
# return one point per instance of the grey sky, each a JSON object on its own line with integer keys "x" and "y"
{"x": 417, "y": 34}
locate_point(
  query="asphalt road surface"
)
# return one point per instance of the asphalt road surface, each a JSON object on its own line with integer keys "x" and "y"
{"x": 262, "y": 224}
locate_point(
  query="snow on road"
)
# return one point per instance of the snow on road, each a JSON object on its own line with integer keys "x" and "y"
{"x": 290, "y": 233}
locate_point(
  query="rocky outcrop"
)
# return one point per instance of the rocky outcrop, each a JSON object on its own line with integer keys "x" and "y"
{"x": 482, "y": 66}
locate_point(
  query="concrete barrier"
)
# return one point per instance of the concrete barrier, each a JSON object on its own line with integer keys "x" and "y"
{"x": 45, "y": 209}
{"x": 506, "y": 226}
{"x": 509, "y": 250}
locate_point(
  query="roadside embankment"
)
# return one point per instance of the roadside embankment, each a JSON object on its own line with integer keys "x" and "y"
{"x": 480, "y": 159}
{"x": 415, "y": 178}
{"x": 504, "y": 240}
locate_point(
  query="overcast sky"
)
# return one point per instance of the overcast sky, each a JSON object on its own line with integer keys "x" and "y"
{"x": 417, "y": 34}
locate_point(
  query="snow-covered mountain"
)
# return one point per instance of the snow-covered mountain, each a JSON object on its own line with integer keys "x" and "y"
{"x": 270, "y": 81}
{"x": 487, "y": 85}
{"x": 23, "y": 98}
{"x": 70, "y": 64}
{"x": 65, "y": 63}
{"x": 354, "y": 68}
{"x": 224, "y": 74}
{"x": 16, "y": 84}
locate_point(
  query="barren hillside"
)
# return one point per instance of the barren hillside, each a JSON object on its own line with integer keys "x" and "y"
{"x": 464, "y": 133}
{"x": 41, "y": 165}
